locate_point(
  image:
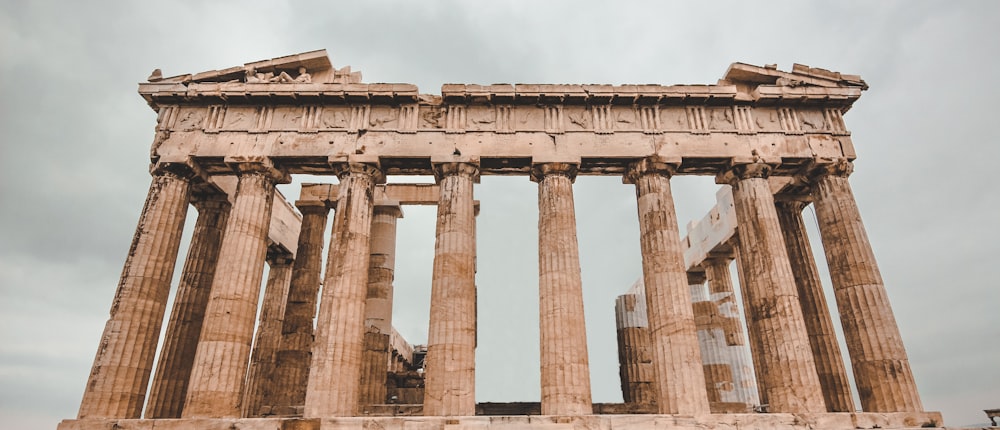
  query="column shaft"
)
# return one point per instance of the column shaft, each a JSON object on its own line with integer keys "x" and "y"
{"x": 635, "y": 357}
{"x": 826, "y": 352}
{"x": 673, "y": 337}
{"x": 451, "y": 338}
{"x": 265, "y": 346}
{"x": 378, "y": 304}
{"x": 881, "y": 367}
{"x": 120, "y": 375}
{"x": 173, "y": 371}
{"x": 335, "y": 372}
{"x": 220, "y": 364}
{"x": 785, "y": 365}
{"x": 291, "y": 373}
{"x": 565, "y": 365}
{"x": 736, "y": 352}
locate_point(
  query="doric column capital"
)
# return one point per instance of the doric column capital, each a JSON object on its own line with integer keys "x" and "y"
{"x": 388, "y": 208}
{"x": 541, "y": 170}
{"x": 836, "y": 167}
{"x": 255, "y": 164}
{"x": 791, "y": 203}
{"x": 647, "y": 166}
{"x": 456, "y": 168}
{"x": 739, "y": 172}
{"x": 210, "y": 202}
{"x": 278, "y": 256}
{"x": 343, "y": 170}
{"x": 184, "y": 168}
{"x": 314, "y": 206}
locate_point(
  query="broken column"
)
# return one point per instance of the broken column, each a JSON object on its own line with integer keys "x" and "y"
{"x": 173, "y": 371}
{"x": 220, "y": 364}
{"x": 451, "y": 339}
{"x": 292, "y": 360}
{"x": 378, "y": 303}
{"x": 881, "y": 367}
{"x": 784, "y": 361}
{"x": 635, "y": 358}
{"x": 265, "y": 346}
{"x": 565, "y": 366}
{"x": 335, "y": 371}
{"x": 729, "y": 334}
{"x": 676, "y": 355}
{"x": 826, "y": 352}
{"x": 120, "y": 374}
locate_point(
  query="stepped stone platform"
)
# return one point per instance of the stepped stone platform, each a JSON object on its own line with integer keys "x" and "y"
{"x": 860, "y": 420}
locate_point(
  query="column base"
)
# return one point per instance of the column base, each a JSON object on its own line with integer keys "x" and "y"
{"x": 831, "y": 421}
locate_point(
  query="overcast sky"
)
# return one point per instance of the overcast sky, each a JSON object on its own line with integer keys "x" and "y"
{"x": 75, "y": 136}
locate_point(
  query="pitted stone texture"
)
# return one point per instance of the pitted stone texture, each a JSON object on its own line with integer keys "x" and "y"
{"x": 120, "y": 375}
{"x": 291, "y": 373}
{"x": 784, "y": 363}
{"x": 265, "y": 346}
{"x": 881, "y": 367}
{"x": 826, "y": 352}
{"x": 450, "y": 386}
{"x": 340, "y": 326}
{"x": 378, "y": 304}
{"x": 166, "y": 397}
{"x": 673, "y": 338}
{"x": 220, "y": 364}
{"x": 565, "y": 365}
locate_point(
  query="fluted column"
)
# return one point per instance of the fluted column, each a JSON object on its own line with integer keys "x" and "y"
{"x": 173, "y": 371}
{"x": 265, "y": 346}
{"x": 451, "y": 338}
{"x": 292, "y": 360}
{"x": 822, "y": 339}
{"x": 676, "y": 354}
{"x": 785, "y": 364}
{"x": 565, "y": 365}
{"x": 737, "y": 352}
{"x": 120, "y": 375}
{"x": 881, "y": 367}
{"x": 220, "y": 363}
{"x": 335, "y": 371}
{"x": 378, "y": 303}
{"x": 635, "y": 358}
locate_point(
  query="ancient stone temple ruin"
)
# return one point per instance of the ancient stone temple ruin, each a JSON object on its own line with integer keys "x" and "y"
{"x": 322, "y": 353}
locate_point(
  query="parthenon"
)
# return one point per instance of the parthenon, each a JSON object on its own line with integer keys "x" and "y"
{"x": 322, "y": 352}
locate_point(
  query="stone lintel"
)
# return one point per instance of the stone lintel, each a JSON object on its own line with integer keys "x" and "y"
{"x": 401, "y": 194}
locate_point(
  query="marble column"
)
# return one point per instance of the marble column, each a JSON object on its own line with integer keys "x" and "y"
{"x": 220, "y": 363}
{"x": 120, "y": 375}
{"x": 565, "y": 365}
{"x": 450, "y": 382}
{"x": 819, "y": 325}
{"x": 335, "y": 371}
{"x": 737, "y": 352}
{"x": 672, "y": 333}
{"x": 292, "y": 360}
{"x": 635, "y": 358}
{"x": 378, "y": 303}
{"x": 785, "y": 364}
{"x": 266, "y": 343}
{"x": 173, "y": 371}
{"x": 881, "y": 367}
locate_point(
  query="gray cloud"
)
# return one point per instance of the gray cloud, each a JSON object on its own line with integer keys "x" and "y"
{"x": 74, "y": 137}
